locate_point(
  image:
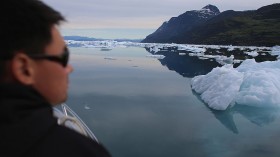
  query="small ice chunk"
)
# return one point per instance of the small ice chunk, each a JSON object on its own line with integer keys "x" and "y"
{"x": 110, "y": 58}
{"x": 154, "y": 49}
{"x": 253, "y": 53}
{"x": 275, "y": 50}
{"x": 156, "y": 56}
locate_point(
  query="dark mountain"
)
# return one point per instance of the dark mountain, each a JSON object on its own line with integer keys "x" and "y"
{"x": 185, "y": 22}
{"x": 257, "y": 27}
{"x": 185, "y": 65}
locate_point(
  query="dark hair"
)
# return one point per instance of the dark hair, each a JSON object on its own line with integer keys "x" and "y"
{"x": 25, "y": 25}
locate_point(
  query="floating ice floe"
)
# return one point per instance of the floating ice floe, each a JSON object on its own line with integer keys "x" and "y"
{"x": 192, "y": 50}
{"x": 237, "y": 61}
{"x": 276, "y": 51}
{"x": 253, "y": 53}
{"x": 231, "y": 48}
{"x": 87, "y": 107}
{"x": 223, "y": 60}
{"x": 156, "y": 56}
{"x": 154, "y": 49}
{"x": 253, "y": 84}
{"x": 110, "y": 58}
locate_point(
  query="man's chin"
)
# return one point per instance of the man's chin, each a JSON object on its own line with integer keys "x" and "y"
{"x": 59, "y": 102}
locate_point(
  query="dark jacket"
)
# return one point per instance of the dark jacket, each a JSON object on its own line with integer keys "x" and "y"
{"x": 28, "y": 128}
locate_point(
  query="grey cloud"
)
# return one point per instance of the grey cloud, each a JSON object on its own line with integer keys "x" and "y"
{"x": 159, "y": 10}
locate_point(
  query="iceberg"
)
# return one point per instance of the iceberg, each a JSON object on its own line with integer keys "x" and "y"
{"x": 253, "y": 84}
{"x": 217, "y": 88}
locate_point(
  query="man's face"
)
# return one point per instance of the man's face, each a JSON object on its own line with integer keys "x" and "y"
{"x": 51, "y": 78}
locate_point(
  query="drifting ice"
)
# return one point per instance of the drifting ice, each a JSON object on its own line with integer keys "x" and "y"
{"x": 253, "y": 84}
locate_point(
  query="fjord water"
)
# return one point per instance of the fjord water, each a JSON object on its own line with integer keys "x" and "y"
{"x": 139, "y": 106}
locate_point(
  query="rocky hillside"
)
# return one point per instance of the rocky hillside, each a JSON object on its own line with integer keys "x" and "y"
{"x": 170, "y": 30}
{"x": 259, "y": 27}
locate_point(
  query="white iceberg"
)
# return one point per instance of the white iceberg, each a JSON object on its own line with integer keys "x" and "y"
{"x": 253, "y": 84}
{"x": 253, "y": 53}
{"x": 276, "y": 51}
{"x": 217, "y": 88}
{"x": 154, "y": 49}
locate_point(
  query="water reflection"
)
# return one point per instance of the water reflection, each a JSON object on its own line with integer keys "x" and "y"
{"x": 259, "y": 116}
{"x": 188, "y": 66}
{"x": 226, "y": 119}
{"x": 150, "y": 111}
{"x": 185, "y": 65}
{"x": 256, "y": 115}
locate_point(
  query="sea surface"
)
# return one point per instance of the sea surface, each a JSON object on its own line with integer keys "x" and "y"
{"x": 139, "y": 106}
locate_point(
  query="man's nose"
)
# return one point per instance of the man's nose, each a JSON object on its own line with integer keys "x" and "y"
{"x": 70, "y": 68}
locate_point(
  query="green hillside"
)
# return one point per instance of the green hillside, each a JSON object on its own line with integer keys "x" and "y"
{"x": 252, "y": 28}
{"x": 243, "y": 30}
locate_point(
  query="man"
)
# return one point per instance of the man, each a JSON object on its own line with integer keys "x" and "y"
{"x": 33, "y": 77}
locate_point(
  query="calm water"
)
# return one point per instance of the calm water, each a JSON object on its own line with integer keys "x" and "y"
{"x": 144, "y": 107}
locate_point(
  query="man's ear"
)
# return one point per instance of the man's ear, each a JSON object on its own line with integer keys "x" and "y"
{"x": 22, "y": 68}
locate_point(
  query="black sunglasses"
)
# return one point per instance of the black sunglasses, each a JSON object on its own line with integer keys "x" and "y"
{"x": 61, "y": 59}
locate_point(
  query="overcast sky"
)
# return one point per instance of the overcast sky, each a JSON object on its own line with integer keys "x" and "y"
{"x": 138, "y": 13}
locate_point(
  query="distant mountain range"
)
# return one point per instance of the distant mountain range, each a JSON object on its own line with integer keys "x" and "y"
{"x": 82, "y": 38}
{"x": 259, "y": 27}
